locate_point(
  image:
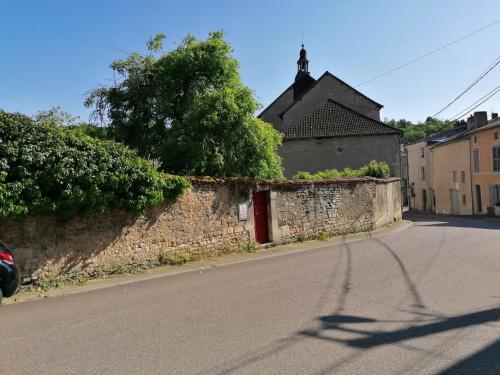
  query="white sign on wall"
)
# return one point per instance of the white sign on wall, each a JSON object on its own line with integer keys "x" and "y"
{"x": 243, "y": 211}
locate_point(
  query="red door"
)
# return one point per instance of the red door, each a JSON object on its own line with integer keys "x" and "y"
{"x": 260, "y": 216}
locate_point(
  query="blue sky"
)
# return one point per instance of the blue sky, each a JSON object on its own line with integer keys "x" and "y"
{"x": 55, "y": 51}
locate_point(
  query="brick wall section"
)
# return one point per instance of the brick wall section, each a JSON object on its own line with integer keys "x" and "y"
{"x": 202, "y": 221}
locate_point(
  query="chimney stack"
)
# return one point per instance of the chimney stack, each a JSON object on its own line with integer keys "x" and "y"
{"x": 494, "y": 116}
{"x": 477, "y": 120}
{"x": 470, "y": 122}
{"x": 480, "y": 119}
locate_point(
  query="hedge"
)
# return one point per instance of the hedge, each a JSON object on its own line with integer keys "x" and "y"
{"x": 372, "y": 169}
{"x": 51, "y": 169}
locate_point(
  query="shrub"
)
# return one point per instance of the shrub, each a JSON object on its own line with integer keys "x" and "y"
{"x": 372, "y": 169}
{"x": 51, "y": 169}
{"x": 174, "y": 259}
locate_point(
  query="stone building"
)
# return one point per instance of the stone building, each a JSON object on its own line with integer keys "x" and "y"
{"x": 329, "y": 124}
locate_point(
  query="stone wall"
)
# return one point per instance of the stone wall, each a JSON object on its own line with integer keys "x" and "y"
{"x": 203, "y": 221}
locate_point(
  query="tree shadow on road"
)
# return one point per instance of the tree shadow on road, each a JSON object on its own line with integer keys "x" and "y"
{"x": 486, "y": 362}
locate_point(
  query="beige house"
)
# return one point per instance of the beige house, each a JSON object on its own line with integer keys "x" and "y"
{"x": 485, "y": 159}
{"x": 420, "y": 176}
{"x": 458, "y": 173}
{"x": 452, "y": 179}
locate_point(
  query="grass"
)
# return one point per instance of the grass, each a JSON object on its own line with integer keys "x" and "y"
{"x": 248, "y": 248}
{"x": 175, "y": 259}
{"x": 323, "y": 235}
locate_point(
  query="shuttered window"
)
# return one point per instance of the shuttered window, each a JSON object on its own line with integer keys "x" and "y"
{"x": 496, "y": 158}
{"x": 475, "y": 155}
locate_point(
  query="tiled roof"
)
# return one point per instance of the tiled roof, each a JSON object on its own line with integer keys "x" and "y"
{"x": 332, "y": 119}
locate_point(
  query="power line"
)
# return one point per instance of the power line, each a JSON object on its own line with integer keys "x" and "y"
{"x": 481, "y": 76}
{"x": 477, "y": 103}
{"x": 428, "y": 53}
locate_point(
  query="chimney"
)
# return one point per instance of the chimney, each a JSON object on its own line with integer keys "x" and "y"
{"x": 477, "y": 120}
{"x": 480, "y": 119}
{"x": 494, "y": 116}
{"x": 470, "y": 122}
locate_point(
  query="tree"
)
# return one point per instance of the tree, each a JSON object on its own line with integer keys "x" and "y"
{"x": 189, "y": 108}
{"x": 48, "y": 169}
{"x": 57, "y": 117}
{"x": 415, "y": 132}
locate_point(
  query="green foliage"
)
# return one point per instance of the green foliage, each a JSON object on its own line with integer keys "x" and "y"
{"x": 189, "y": 108}
{"x": 57, "y": 117}
{"x": 98, "y": 132}
{"x": 51, "y": 169}
{"x": 415, "y": 132}
{"x": 372, "y": 169}
{"x": 248, "y": 248}
{"x": 175, "y": 259}
{"x": 323, "y": 235}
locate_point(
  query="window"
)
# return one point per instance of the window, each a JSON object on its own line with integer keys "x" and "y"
{"x": 495, "y": 136}
{"x": 422, "y": 173}
{"x": 496, "y": 158}
{"x": 464, "y": 200}
{"x": 455, "y": 176}
{"x": 475, "y": 139}
{"x": 495, "y": 195}
{"x": 422, "y": 152}
{"x": 462, "y": 176}
{"x": 475, "y": 157}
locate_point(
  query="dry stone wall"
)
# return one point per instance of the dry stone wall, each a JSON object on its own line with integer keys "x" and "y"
{"x": 204, "y": 221}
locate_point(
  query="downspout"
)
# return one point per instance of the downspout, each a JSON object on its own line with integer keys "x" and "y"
{"x": 470, "y": 175}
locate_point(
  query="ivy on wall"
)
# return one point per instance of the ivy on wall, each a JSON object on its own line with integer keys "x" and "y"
{"x": 52, "y": 169}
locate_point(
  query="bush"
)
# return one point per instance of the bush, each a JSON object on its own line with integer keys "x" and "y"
{"x": 51, "y": 169}
{"x": 372, "y": 169}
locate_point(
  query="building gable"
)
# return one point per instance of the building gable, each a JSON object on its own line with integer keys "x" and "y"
{"x": 330, "y": 87}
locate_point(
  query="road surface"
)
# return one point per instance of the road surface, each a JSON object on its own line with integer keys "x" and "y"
{"x": 423, "y": 300}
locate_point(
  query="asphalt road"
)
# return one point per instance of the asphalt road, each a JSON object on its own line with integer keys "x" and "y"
{"x": 424, "y": 300}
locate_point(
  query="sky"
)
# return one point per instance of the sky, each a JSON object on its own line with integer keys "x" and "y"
{"x": 54, "y": 51}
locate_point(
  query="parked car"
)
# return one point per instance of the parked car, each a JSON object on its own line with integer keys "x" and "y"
{"x": 9, "y": 274}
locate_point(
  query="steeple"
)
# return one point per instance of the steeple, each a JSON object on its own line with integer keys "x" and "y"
{"x": 303, "y": 81}
{"x": 302, "y": 64}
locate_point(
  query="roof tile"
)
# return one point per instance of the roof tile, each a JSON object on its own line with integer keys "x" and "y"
{"x": 332, "y": 119}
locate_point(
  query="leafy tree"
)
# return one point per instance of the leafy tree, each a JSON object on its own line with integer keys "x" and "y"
{"x": 57, "y": 117}
{"x": 189, "y": 108}
{"x": 50, "y": 169}
{"x": 415, "y": 132}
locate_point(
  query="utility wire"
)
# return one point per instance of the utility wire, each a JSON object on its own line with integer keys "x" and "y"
{"x": 477, "y": 103}
{"x": 428, "y": 53}
{"x": 481, "y": 76}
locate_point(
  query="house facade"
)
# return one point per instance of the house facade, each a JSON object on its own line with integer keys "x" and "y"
{"x": 420, "y": 176}
{"x": 329, "y": 124}
{"x": 458, "y": 173}
{"x": 485, "y": 159}
{"x": 452, "y": 178}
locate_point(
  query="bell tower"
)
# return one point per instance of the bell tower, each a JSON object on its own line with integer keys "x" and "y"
{"x": 302, "y": 64}
{"x": 303, "y": 81}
